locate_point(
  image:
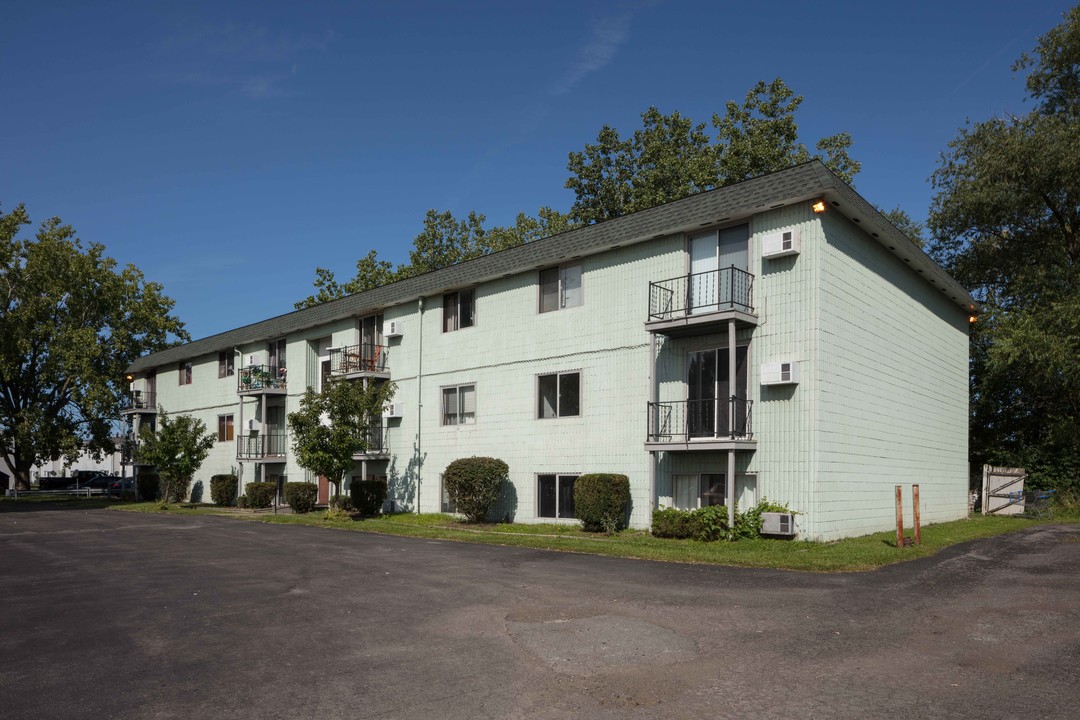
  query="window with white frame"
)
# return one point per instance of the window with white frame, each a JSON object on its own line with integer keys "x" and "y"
{"x": 459, "y": 310}
{"x": 689, "y": 492}
{"x": 459, "y": 405}
{"x": 185, "y": 373}
{"x": 226, "y": 364}
{"x": 555, "y": 496}
{"x": 225, "y": 428}
{"x": 558, "y": 395}
{"x": 446, "y": 505}
{"x": 560, "y": 287}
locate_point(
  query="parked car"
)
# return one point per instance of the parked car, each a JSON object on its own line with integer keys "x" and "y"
{"x": 119, "y": 486}
{"x": 98, "y": 482}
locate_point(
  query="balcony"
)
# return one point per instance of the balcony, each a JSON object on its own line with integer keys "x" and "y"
{"x": 701, "y": 425}
{"x": 355, "y": 361}
{"x": 139, "y": 401}
{"x": 376, "y": 444}
{"x": 701, "y": 302}
{"x": 261, "y": 380}
{"x": 262, "y": 448}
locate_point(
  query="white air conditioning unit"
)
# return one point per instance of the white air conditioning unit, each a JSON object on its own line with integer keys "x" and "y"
{"x": 777, "y": 523}
{"x": 254, "y": 425}
{"x": 394, "y": 410}
{"x": 780, "y": 373}
{"x": 394, "y": 328}
{"x": 254, "y": 359}
{"x": 779, "y": 244}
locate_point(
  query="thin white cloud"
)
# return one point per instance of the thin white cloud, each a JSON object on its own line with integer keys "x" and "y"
{"x": 608, "y": 35}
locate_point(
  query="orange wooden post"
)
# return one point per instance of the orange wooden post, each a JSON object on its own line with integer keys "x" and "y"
{"x": 899, "y": 518}
{"x": 915, "y": 509}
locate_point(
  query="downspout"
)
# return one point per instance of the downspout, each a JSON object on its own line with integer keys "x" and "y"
{"x": 731, "y": 424}
{"x": 654, "y": 457}
{"x": 419, "y": 398}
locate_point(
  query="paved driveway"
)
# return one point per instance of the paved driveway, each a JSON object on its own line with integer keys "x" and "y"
{"x": 109, "y": 614}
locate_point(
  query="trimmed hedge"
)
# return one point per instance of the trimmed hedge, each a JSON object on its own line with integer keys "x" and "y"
{"x": 149, "y": 484}
{"x": 706, "y": 524}
{"x": 223, "y": 490}
{"x": 600, "y": 501}
{"x": 301, "y": 496}
{"x": 368, "y": 496}
{"x": 342, "y": 503}
{"x": 474, "y": 485}
{"x": 260, "y": 494}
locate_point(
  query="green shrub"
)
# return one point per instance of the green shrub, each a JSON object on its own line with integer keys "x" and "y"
{"x": 242, "y": 502}
{"x": 368, "y": 496}
{"x": 600, "y": 501}
{"x": 223, "y": 490}
{"x": 301, "y": 496}
{"x": 474, "y": 485}
{"x": 706, "y": 524}
{"x": 148, "y": 484}
{"x": 342, "y": 503}
{"x": 260, "y": 494}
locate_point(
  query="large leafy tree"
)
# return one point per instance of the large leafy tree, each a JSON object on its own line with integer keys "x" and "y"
{"x": 336, "y": 423}
{"x": 71, "y": 321}
{"x": 671, "y": 157}
{"x": 177, "y": 448}
{"x": 1006, "y": 222}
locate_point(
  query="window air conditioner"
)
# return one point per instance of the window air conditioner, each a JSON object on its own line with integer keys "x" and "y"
{"x": 780, "y": 244}
{"x": 394, "y": 328}
{"x": 253, "y": 360}
{"x": 780, "y": 373}
{"x": 777, "y": 523}
{"x": 394, "y": 410}
{"x": 253, "y": 425}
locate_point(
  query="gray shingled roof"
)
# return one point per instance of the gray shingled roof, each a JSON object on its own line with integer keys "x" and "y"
{"x": 743, "y": 199}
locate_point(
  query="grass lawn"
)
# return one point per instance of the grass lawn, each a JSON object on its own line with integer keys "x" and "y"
{"x": 853, "y": 554}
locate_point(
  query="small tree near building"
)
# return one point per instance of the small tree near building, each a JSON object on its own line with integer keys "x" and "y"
{"x": 177, "y": 448}
{"x": 335, "y": 424}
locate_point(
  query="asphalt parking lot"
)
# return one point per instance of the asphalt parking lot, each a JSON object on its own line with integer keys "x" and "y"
{"x": 119, "y": 615}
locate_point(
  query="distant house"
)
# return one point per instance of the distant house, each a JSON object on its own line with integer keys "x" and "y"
{"x": 776, "y": 338}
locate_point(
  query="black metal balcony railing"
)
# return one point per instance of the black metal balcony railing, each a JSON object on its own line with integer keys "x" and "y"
{"x": 686, "y": 420}
{"x": 261, "y": 377}
{"x": 140, "y": 400}
{"x": 728, "y": 288}
{"x": 376, "y": 441}
{"x": 256, "y": 447}
{"x": 358, "y": 358}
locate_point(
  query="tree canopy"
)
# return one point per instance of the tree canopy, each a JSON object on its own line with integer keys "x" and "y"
{"x": 1006, "y": 222}
{"x": 177, "y": 448}
{"x": 71, "y": 322}
{"x": 334, "y": 424}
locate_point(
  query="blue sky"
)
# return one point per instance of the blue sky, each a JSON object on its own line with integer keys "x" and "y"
{"x": 229, "y": 148}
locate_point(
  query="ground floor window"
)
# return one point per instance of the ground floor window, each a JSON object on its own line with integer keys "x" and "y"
{"x": 689, "y": 492}
{"x": 446, "y": 505}
{"x": 555, "y": 496}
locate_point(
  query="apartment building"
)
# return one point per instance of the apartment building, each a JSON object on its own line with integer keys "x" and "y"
{"x": 776, "y": 338}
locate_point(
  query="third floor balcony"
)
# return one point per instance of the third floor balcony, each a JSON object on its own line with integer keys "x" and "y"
{"x": 701, "y": 302}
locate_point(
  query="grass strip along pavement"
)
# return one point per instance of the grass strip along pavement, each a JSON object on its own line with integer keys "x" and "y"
{"x": 851, "y": 554}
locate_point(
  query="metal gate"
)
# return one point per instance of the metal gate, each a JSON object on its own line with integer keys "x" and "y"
{"x": 1003, "y": 490}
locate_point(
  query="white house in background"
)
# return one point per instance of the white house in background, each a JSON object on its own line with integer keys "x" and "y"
{"x": 776, "y": 338}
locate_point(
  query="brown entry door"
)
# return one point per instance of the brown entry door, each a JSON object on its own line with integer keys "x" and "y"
{"x": 324, "y": 491}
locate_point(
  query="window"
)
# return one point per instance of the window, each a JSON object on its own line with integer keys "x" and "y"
{"x": 559, "y": 395}
{"x": 185, "y": 373}
{"x": 560, "y": 287}
{"x": 224, "y": 428}
{"x": 446, "y": 505}
{"x": 555, "y": 496}
{"x": 226, "y": 364}
{"x": 689, "y": 492}
{"x": 459, "y": 405}
{"x": 459, "y": 310}
{"x": 276, "y": 353}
